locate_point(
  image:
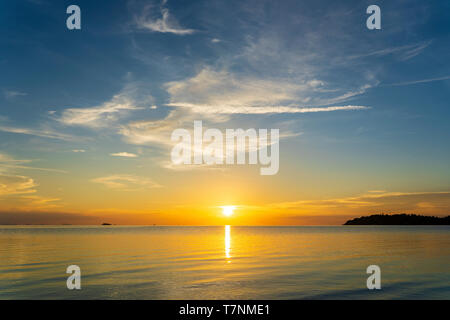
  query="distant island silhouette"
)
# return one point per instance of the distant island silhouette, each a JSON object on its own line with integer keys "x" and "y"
{"x": 106, "y": 224}
{"x": 399, "y": 219}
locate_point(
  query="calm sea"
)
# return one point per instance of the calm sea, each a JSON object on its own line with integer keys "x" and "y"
{"x": 119, "y": 262}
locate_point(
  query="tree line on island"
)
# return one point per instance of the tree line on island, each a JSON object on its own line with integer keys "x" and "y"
{"x": 399, "y": 219}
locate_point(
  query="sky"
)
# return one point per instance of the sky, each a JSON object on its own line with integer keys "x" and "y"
{"x": 86, "y": 115}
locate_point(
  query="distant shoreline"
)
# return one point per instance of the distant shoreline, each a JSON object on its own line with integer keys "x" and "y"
{"x": 399, "y": 219}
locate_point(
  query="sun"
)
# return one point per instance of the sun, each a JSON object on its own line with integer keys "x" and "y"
{"x": 228, "y": 210}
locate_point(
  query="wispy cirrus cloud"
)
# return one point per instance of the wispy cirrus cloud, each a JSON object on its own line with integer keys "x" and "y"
{"x": 4, "y": 158}
{"x": 158, "y": 132}
{"x": 130, "y": 98}
{"x": 16, "y": 184}
{"x": 44, "y": 133}
{"x": 376, "y": 201}
{"x": 126, "y": 182}
{"x": 39, "y": 202}
{"x": 166, "y": 23}
{"x": 227, "y": 109}
{"x": 404, "y": 52}
{"x": 20, "y": 190}
{"x": 124, "y": 154}
{"x": 16, "y": 166}
{"x": 407, "y": 83}
{"x": 222, "y": 92}
{"x": 7, "y": 162}
{"x": 99, "y": 116}
{"x": 9, "y": 94}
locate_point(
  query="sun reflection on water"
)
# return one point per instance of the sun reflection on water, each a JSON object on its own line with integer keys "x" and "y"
{"x": 228, "y": 243}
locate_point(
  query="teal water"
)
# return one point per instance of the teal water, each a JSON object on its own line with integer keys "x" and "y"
{"x": 119, "y": 262}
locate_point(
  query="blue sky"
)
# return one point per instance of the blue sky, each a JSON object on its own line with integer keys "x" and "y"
{"x": 139, "y": 69}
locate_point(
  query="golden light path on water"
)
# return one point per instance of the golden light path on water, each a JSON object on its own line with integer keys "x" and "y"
{"x": 227, "y": 243}
{"x": 162, "y": 262}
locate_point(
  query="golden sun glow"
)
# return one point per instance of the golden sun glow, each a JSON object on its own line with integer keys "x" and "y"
{"x": 228, "y": 210}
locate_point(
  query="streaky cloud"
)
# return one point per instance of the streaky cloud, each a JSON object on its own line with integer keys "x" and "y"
{"x": 44, "y": 133}
{"x": 8, "y": 162}
{"x": 407, "y": 83}
{"x": 16, "y": 184}
{"x": 123, "y": 154}
{"x": 165, "y": 24}
{"x": 404, "y": 52}
{"x": 225, "y": 92}
{"x": 225, "y": 109}
{"x": 99, "y": 116}
{"x": 126, "y": 182}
